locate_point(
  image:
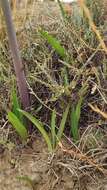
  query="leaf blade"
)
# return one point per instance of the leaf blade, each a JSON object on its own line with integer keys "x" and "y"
{"x": 16, "y": 105}
{"x": 54, "y": 43}
{"x": 19, "y": 127}
{"x": 39, "y": 126}
{"x": 74, "y": 118}
{"x": 63, "y": 121}
{"x": 53, "y": 126}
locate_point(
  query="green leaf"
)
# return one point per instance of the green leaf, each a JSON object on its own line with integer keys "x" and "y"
{"x": 16, "y": 105}
{"x": 19, "y": 127}
{"x": 75, "y": 117}
{"x": 53, "y": 126}
{"x": 65, "y": 76}
{"x": 54, "y": 43}
{"x": 78, "y": 109}
{"x": 74, "y": 125}
{"x": 63, "y": 122}
{"x": 40, "y": 127}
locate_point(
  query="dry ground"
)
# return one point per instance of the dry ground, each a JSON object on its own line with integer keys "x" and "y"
{"x": 34, "y": 169}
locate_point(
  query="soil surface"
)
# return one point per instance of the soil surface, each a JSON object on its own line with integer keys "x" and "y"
{"x": 34, "y": 169}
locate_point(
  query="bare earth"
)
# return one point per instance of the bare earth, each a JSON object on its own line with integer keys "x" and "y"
{"x": 34, "y": 169}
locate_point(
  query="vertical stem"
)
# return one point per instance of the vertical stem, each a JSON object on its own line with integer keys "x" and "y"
{"x": 20, "y": 76}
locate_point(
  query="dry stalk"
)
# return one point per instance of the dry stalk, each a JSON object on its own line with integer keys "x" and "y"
{"x": 84, "y": 158}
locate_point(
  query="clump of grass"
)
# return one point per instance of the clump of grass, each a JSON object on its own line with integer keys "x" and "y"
{"x": 55, "y": 78}
{"x": 15, "y": 117}
{"x": 55, "y": 137}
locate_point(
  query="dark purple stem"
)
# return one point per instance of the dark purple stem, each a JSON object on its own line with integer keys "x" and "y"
{"x": 20, "y": 76}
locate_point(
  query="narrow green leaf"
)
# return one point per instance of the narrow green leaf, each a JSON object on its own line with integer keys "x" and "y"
{"x": 16, "y": 105}
{"x": 75, "y": 117}
{"x": 63, "y": 122}
{"x": 78, "y": 109}
{"x": 19, "y": 127}
{"x": 39, "y": 126}
{"x": 53, "y": 126}
{"x": 65, "y": 77}
{"x": 54, "y": 43}
{"x": 74, "y": 125}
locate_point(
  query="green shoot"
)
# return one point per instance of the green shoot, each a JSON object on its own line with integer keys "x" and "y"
{"x": 54, "y": 43}
{"x": 16, "y": 118}
{"x": 17, "y": 124}
{"x": 51, "y": 142}
{"x": 59, "y": 49}
{"x": 16, "y": 105}
{"x": 62, "y": 124}
{"x": 53, "y": 126}
{"x": 75, "y": 117}
{"x": 40, "y": 127}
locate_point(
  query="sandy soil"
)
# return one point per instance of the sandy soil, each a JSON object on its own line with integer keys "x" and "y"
{"x": 34, "y": 169}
